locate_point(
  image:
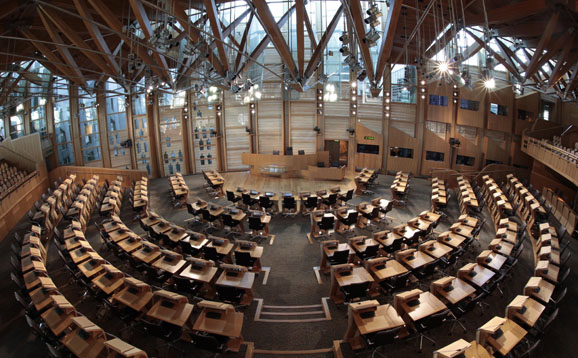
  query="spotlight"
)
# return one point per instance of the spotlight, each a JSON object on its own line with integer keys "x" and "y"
{"x": 353, "y": 84}
{"x": 344, "y": 37}
{"x": 345, "y": 51}
{"x": 490, "y": 83}
{"x": 443, "y": 67}
{"x": 371, "y": 38}
{"x": 374, "y": 16}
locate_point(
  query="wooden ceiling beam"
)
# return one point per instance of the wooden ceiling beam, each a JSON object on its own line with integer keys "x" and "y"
{"x": 544, "y": 41}
{"x": 565, "y": 60}
{"x": 52, "y": 58}
{"x": 76, "y": 39}
{"x": 273, "y": 31}
{"x": 145, "y": 24}
{"x": 96, "y": 35}
{"x": 7, "y": 90}
{"x": 300, "y": 4}
{"x": 60, "y": 45}
{"x": 116, "y": 25}
{"x": 508, "y": 65}
{"x": 318, "y": 53}
{"x": 211, "y": 10}
{"x": 264, "y": 43}
{"x": 388, "y": 36}
{"x": 572, "y": 82}
{"x": 509, "y": 12}
{"x": 356, "y": 13}
{"x": 243, "y": 43}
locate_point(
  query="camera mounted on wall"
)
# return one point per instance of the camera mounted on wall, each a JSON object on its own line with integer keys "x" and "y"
{"x": 454, "y": 142}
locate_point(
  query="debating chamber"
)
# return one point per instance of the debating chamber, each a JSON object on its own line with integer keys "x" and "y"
{"x": 271, "y": 179}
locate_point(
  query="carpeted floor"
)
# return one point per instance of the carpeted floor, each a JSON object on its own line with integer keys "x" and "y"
{"x": 291, "y": 282}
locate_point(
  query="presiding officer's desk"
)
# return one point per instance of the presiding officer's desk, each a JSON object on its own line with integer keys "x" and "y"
{"x": 292, "y": 165}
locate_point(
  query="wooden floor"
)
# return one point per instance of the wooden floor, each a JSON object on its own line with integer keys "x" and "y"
{"x": 278, "y": 185}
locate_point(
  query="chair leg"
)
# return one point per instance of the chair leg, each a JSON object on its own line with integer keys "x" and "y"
{"x": 421, "y": 338}
{"x": 456, "y": 321}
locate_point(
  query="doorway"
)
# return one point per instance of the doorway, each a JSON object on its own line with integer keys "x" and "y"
{"x": 337, "y": 152}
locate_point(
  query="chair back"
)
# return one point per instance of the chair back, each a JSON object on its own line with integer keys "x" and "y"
{"x": 348, "y": 196}
{"x": 244, "y": 259}
{"x": 332, "y": 199}
{"x": 311, "y": 202}
{"x": 382, "y": 338}
{"x": 340, "y": 257}
{"x": 247, "y": 199}
{"x": 370, "y": 252}
{"x": 327, "y": 223}
{"x": 351, "y": 218}
{"x": 210, "y": 253}
{"x": 231, "y": 196}
{"x": 356, "y": 291}
{"x": 207, "y": 341}
{"x": 265, "y": 201}
{"x": 230, "y": 294}
{"x": 228, "y": 220}
{"x": 289, "y": 203}
{"x": 255, "y": 223}
{"x": 435, "y": 320}
{"x": 184, "y": 285}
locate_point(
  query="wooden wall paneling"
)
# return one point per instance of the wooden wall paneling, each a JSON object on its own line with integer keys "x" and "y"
{"x": 542, "y": 176}
{"x": 364, "y": 135}
{"x": 569, "y": 116}
{"x": 529, "y": 103}
{"x": 504, "y": 97}
{"x": 337, "y": 120}
{"x": 370, "y": 115}
{"x": 433, "y": 142}
{"x": 302, "y": 115}
{"x": 439, "y": 113}
{"x": 471, "y": 149}
{"x": 237, "y": 139}
{"x": 472, "y": 118}
{"x": 269, "y": 126}
{"x": 519, "y": 158}
{"x": 495, "y": 147}
{"x": 28, "y": 147}
{"x": 400, "y": 139}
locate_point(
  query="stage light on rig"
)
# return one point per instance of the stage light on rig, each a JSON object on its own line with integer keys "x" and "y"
{"x": 373, "y": 19}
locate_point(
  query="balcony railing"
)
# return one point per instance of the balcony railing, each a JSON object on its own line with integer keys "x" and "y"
{"x": 563, "y": 161}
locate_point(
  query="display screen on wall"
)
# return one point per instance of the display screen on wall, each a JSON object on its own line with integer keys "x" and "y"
{"x": 434, "y": 156}
{"x": 469, "y": 105}
{"x": 465, "y": 160}
{"x": 401, "y": 152}
{"x": 367, "y": 149}
{"x": 436, "y": 100}
{"x": 525, "y": 115}
{"x": 498, "y": 109}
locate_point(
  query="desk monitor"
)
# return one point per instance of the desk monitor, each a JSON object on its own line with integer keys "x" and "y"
{"x": 253, "y": 192}
{"x": 269, "y": 194}
{"x": 258, "y": 213}
{"x": 213, "y": 315}
{"x": 83, "y": 334}
{"x": 301, "y": 152}
{"x": 218, "y": 242}
{"x": 287, "y": 195}
{"x": 234, "y": 211}
{"x": 167, "y": 304}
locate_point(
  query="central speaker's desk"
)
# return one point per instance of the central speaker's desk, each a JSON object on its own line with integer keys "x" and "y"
{"x": 286, "y": 166}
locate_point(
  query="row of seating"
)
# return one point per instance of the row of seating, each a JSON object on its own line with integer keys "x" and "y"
{"x": 365, "y": 179}
{"x": 416, "y": 311}
{"x": 179, "y": 190}
{"x": 558, "y": 158}
{"x": 345, "y": 219}
{"x": 54, "y": 205}
{"x": 214, "y": 183}
{"x": 49, "y": 314}
{"x": 439, "y": 196}
{"x": 10, "y": 177}
{"x": 139, "y": 196}
{"x": 400, "y": 188}
{"x": 112, "y": 200}
{"x": 498, "y": 203}
{"x": 559, "y": 209}
{"x": 468, "y": 199}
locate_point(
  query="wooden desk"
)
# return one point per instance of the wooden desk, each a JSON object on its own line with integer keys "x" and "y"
{"x": 459, "y": 291}
{"x": 205, "y": 274}
{"x": 356, "y": 275}
{"x": 539, "y": 289}
{"x": 491, "y": 260}
{"x": 135, "y": 294}
{"x": 391, "y": 268}
{"x": 451, "y": 239}
{"x": 255, "y": 251}
{"x": 481, "y": 277}
{"x": 117, "y": 347}
{"x": 328, "y": 251}
{"x": 419, "y": 259}
{"x": 169, "y": 262}
{"x": 59, "y": 317}
{"x": 511, "y": 335}
{"x": 130, "y": 245}
{"x": 435, "y": 249}
{"x": 89, "y": 347}
{"x": 229, "y": 324}
{"x": 427, "y": 306}
{"x": 470, "y": 350}
{"x": 32, "y": 263}
{"x": 109, "y": 281}
{"x": 383, "y": 317}
{"x": 40, "y": 297}
{"x": 244, "y": 281}
{"x": 196, "y": 240}
{"x": 148, "y": 253}
{"x": 525, "y": 309}
{"x": 171, "y": 308}
{"x": 468, "y": 220}
{"x": 502, "y": 247}
{"x": 462, "y": 229}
